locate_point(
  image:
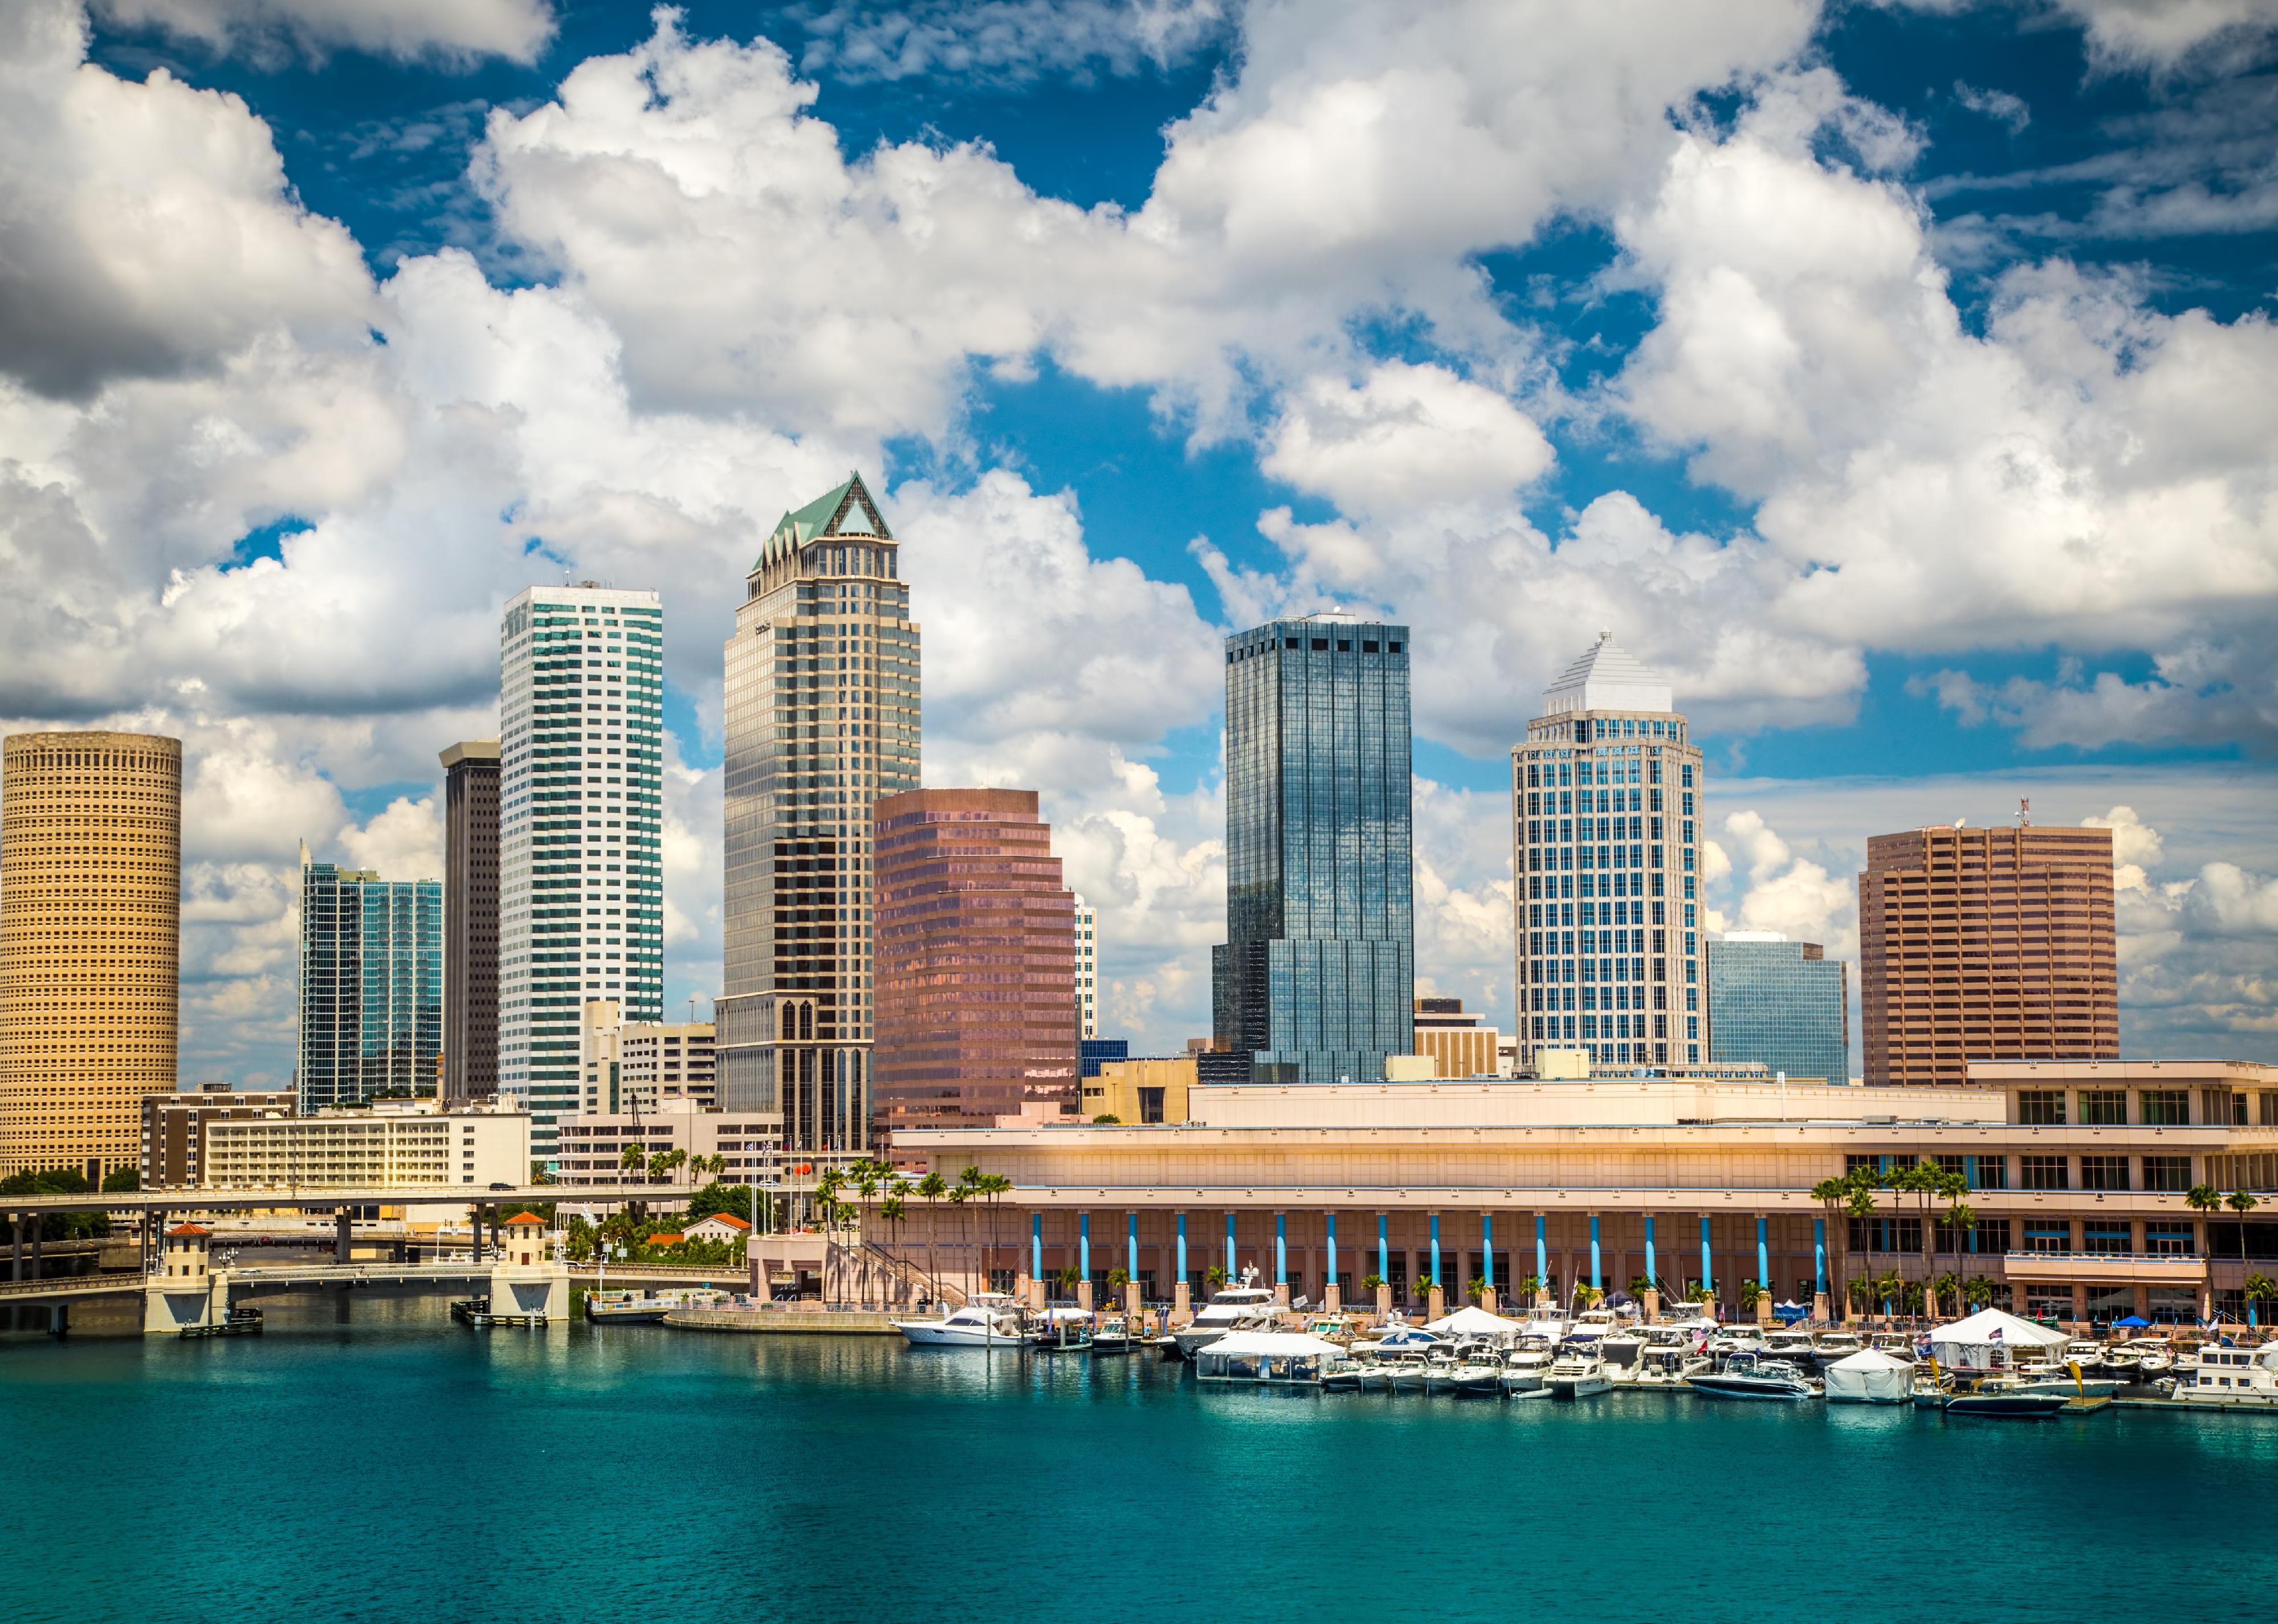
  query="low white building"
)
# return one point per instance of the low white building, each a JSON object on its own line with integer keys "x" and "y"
{"x": 387, "y": 1143}
{"x": 593, "y": 1143}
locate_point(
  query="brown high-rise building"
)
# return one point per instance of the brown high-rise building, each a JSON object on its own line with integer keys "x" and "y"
{"x": 470, "y": 919}
{"x": 976, "y": 960}
{"x": 1985, "y": 944}
{"x": 90, "y": 944}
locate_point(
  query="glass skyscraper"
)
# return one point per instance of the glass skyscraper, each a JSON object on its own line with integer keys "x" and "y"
{"x": 822, "y": 720}
{"x": 1784, "y": 1004}
{"x": 1317, "y": 978}
{"x": 372, "y": 985}
{"x": 581, "y": 814}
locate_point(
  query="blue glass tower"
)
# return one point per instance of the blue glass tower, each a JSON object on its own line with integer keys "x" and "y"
{"x": 1316, "y": 981}
{"x": 372, "y": 985}
{"x": 1782, "y": 1002}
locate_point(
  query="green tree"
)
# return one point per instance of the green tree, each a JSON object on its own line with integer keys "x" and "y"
{"x": 126, "y": 1179}
{"x": 2260, "y": 1288}
{"x": 2240, "y": 1203}
{"x": 932, "y": 1187}
{"x": 1214, "y": 1277}
{"x": 733, "y": 1199}
{"x": 1477, "y": 1289}
{"x": 59, "y": 1181}
{"x": 1107, "y": 1119}
{"x": 1860, "y": 1204}
{"x": 1752, "y": 1292}
{"x": 960, "y": 1193}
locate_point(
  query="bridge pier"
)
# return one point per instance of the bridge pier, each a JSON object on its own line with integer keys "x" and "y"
{"x": 541, "y": 1288}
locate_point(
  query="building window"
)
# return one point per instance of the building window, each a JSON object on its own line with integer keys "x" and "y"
{"x": 2050, "y": 1237}
{"x": 2106, "y": 1240}
{"x": 1988, "y": 1172}
{"x": 2165, "y": 1108}
{"x": 2168, "y": 1239}
{"x": 2041, "y": 1108}
{"x": 2171, "y": 1175}
{"x": 2104, "y": 1172}
{"x": 2104, "y": 1107}
{"x": 2042, "y": 1173}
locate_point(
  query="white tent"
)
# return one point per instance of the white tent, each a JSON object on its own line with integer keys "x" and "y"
{"x": 1870, "y": 1376}
{"x": 1270, "y": 1343}
{"x": 1971, "y": 1344}
{"x": 1473, "y": 1323}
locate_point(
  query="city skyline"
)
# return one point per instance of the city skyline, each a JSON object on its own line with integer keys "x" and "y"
{"x": 436, "y": 380}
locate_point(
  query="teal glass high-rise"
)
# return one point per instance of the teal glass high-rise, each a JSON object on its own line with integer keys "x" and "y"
{"x": 1784, "y": 1004}
{"x": 1317, "y": 978}
{"x": 372, "y": 985}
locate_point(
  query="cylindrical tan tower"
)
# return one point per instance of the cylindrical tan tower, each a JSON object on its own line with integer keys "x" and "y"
{"x": 90, "y": 944}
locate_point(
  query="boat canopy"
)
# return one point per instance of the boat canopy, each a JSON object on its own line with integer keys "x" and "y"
{"x": 1270, "y": 1345}
{"x": 1968, "y": 1344}
{"x": 1870, "y": 1375}
{"x": 1407, "y": 1335}
{"x": 1474, "y": 1322}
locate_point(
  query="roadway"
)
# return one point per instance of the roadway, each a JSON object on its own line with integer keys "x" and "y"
{"x": 343, "y": 1195}
{"x": 287, "y": 1277}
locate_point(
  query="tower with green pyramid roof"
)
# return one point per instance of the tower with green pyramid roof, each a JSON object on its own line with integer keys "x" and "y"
{"x": 822, "y": 718}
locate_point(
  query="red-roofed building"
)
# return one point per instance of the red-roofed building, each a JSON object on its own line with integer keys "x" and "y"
{"x": 719, "y": 1226}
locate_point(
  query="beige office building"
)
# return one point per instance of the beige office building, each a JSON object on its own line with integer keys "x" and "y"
{"x": 2077, "y": 1174}
{"x": 1606, "y": 804}
{"x": 90, "y": 944}
{"x": 643, "y": 1065}
{"x": 389, "y": 1143}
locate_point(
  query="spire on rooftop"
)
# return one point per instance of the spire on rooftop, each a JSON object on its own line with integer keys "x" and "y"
{"x": 1607, "y": 677}
{"x": 845, "y": 509}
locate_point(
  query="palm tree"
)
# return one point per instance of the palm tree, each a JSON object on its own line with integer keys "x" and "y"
{"x": 1832, "y": 1193}
{"x": 993, "y": 1186}
{"x": 933, "y": 1187}
{"x": 1960, "y": 1216}
{"x": 1860, "y": 1205}
{"x": 2240, "y": 1203}
{"x": 960, "y": 1193}
{"x": 2260, "y": 1288}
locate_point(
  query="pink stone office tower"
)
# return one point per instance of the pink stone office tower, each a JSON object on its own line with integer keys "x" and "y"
{"x": 977, "y": 961}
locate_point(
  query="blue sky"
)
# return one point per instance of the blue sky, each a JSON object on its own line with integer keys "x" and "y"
{"x": 1899, "y": 377}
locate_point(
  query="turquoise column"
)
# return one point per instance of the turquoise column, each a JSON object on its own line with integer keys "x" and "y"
{"x": 1707, "y": 1276}
{"x": 1596, "y": 1283}
{"x": 1487, "y": 1248}
{"x": 1182, "y": 1249}
{"x": 1333, "y": 1253}
{"x": 1819, "y": 1255}
{"x": 1083, "y": 1244}
{"x": 1383, "y": 1251}
{"x": 1764, "y": 1256}
{"x": 1542, "y": 1255}
{"x": 1229, "y": 1248}
{"x": 1281, "y": 1248}
{"x": 1131, "y": 1245}
{"x": 1652, "y": 1272}
{"x": 1435, "y": 1251}
{"x": 1035, "y": 1246}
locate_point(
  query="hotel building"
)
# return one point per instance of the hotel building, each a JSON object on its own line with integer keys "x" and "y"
{"x": 642, "y": 1065}
{"x": 976, "y": 955}
{"x": 1784, "y": 1004}
{"x": 471, "y": 916}
{"x": 822, "y": 720}
{"x": 175, "y": 1127}
{"x": 1317, "y": 978}
{"x": 90, "y": 944}
{"x": 393, "y": 1142}
{"x": 2077, "y": 1172}
{"x": 372, "y": 985}
{"x": 581, "y": 811}
{"x": 1985, "y": 944}
{"x": 1606, "y": 798}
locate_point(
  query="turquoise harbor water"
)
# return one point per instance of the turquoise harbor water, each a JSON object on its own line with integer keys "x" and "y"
{"x": 402, "y": 1468}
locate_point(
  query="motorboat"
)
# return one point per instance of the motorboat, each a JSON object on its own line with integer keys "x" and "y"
{"x": 1236, "y": 1307}
{"x": 1621, "y": 1352}
{"x": 1735, "y": 1340}
{"x": 1749, "y": 1375}
{"x": 1525, "y": 1365}
{"x": 1479, "y": 1376}
{"x": 1896, "y": 1344}
{"x": 1403, "y": 1369}
{"x": 1344, "y": 1375}
{"x": 2005, "y": 1406}
{"x": 1542, "y": 1320}
{"x": 1114, "y": 1335}
{"x": 2232, "y": 1378}
{"x": 1576, "y": 1373}
{"x": 1827, "y": 1347}
{"x": 1791, "y": 1345}
{"x": 1593, "y": 1325}
{"x": 1440, "y": 1367}
{"x": 1667, "y": 1365}
{"x": 2154, "y": 1356}
{"x": 2088, "y": 1355}
{"x": 987, "y": 1320}
{"x": 626, "y": 1308}
{"x": 1369, "y": 1372}
{"x": 2122, "y": 1364}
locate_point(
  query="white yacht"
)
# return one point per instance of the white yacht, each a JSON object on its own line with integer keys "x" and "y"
{"x": 1525, "y": 1365}
{"x": 1622, "y": 1351}
{"x": 1592, "y": 1324}
{"x": 1236, "y": 1307}
{"x": 2238, "y": 1377}
{"x": 1576, "y": 1373}
{"x": 1746, "y": 1375}
{"x": 987, "y": 1320}
{"x": 1667, "y": 1364}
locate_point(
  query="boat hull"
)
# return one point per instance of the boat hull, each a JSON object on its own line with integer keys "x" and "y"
{"x": 1746, "y": 1387}
{"x": 922, "y": 1334}
{"x": 2007, "y": 1406}
{"x": 1578, "y": 1387}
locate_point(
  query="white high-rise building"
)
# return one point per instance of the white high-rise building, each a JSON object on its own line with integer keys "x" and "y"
{"x": 1086, "y": 964}
{"x": 581, "y": 809}
{"x": 822, "y": 720}
{"x": 1605, "y": 799}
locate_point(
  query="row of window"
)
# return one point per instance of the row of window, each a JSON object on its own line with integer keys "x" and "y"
{"x": 2160, "y": 1174}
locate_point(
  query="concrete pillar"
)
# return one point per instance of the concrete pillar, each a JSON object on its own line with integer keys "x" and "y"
{"x": 1542, "y": 1293}
{"x": 1435, "y": 1305}
{"x": 1487, "y": 1259}
{"x": 1083, "y": 1254}
{"x": 1232, "y": 1278}
{"x": 1036, "y": 1245}
{"x": 1383, "y": 1256}
{"x": 1182, "y": 1307}
{"x": 1652, "y": 1305}
{"x": 341, "y": 1234}
{"x": 2079, "y": 1303}
{"x": 1131, "y": 1247}
{"x": 1132, "y": 1307}
{"x": 1764, "y": 1255}
{"x": 1708, "y": 1269}
{"x": 1333, "y": 1300}
{"x": 1439, "y": 1280}
{"x": 16, "y": 1245}
{"x": 1652, "y": 1269}
{"x": 1281, "y": 1258}
{"x": 1083, "y": 1293}
{"x": 1597, "y": 1278}
{"x": 1179, "y": 1295}
{"x": 1489, "y": 1301}
{"x": 1383, "y": 1301}
{"x": 1329, "y": 1284}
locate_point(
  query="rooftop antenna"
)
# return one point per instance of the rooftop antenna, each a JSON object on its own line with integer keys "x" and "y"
{"x": 2024, "y": 813}
{"x": 1957, "y": 823}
